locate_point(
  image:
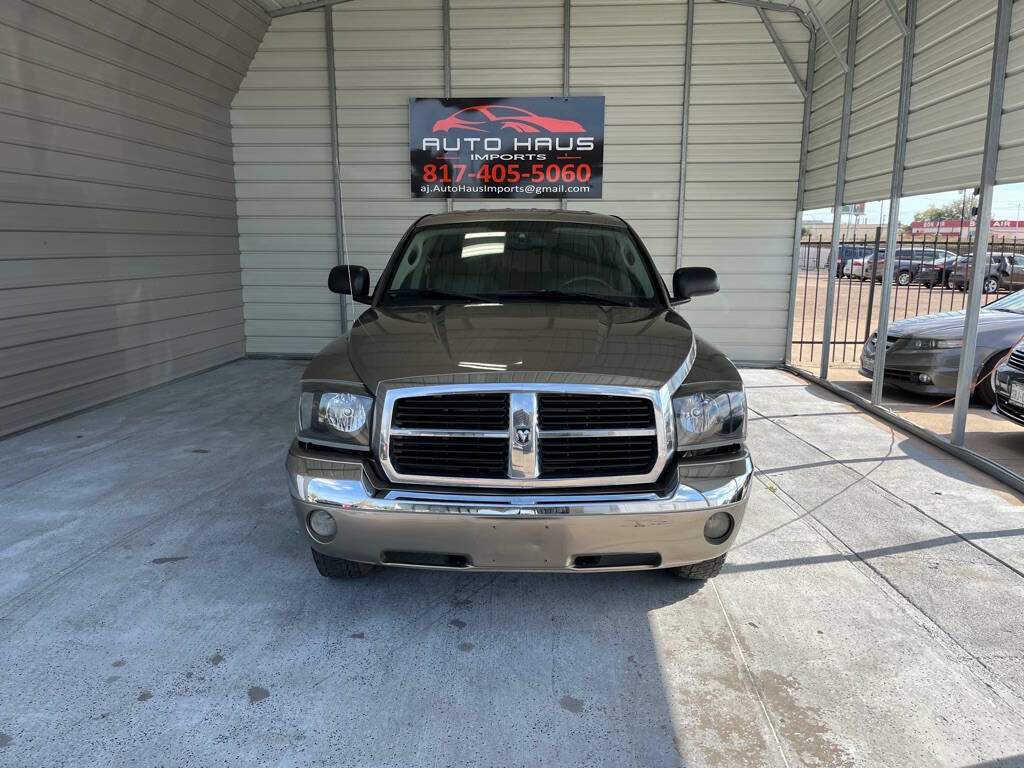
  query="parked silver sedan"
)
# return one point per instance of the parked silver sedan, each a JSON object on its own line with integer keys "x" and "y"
{"x": 923, "y": 353}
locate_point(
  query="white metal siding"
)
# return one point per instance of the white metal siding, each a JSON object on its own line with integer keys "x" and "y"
{"x": 744, "y": 145}
{"x": 1011, "y": 144}
{"x": 635, "y": 60}
{"x": 826, "y": 115}
{"x": 118, "y": 240}
{"x": 743, "y": 159}
{"x": 385, "y": 52}
{"x": 875, "y": 104}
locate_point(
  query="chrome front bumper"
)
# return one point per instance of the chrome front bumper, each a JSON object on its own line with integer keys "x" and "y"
{"x": 519, "y": 531}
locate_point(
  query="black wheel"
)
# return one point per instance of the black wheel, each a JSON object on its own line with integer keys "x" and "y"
{"x": 949, "y": 282}
{"x": 985, "y": 393}
{"x": 336, "y": 568}
{"x": 904, "y": 277}
{"x": 991, "y": 285}
{"x": 701, "y": 571}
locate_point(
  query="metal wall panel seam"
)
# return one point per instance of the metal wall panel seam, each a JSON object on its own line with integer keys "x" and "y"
{"x": 684, "y": 136}
{"x": 563, "y": 204}
{"x": 895, "y": 196}
{"x": 801, "y": 192}
{"x": 332, "y": 103}
{"x": 840, "y": 191}
{"x": 446, "y": 57}
{"x": 990, "y": 160}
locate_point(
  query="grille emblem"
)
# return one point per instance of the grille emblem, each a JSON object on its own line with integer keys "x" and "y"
{"x": 522, "y": 436}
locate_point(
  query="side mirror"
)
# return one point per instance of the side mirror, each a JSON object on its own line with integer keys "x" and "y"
{"x": 689, "y": 282}
{"x": 351, "y": 280}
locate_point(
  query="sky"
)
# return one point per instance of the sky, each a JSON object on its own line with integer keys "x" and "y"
{"x": 1008, "y": 203}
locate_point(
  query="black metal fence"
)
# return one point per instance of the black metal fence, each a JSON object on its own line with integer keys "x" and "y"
{"x": 930, "y": 276}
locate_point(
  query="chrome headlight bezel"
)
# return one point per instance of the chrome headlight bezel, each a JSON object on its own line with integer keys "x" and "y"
{"x": 335, "y": 417}
{"x": 709, "y": 418}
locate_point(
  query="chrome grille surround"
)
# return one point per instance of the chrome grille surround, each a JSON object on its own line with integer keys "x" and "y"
{"x": 524, "y": 468}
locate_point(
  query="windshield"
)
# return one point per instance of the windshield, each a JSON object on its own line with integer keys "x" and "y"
{"x": 522, "y": 261}
{"x": 1012, "y": 303}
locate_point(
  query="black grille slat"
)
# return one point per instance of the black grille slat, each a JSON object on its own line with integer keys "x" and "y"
{"x": 1017, "y": 359}
{"x": 484, "y": 411}
{"x": 570, "y": 411}
{"x": 562, "y": 457}
{"x": 450, "y": 456}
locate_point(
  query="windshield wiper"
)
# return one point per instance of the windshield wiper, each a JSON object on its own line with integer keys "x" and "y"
{"x": 549, "y": 293}
{"x": 434, "y": 293}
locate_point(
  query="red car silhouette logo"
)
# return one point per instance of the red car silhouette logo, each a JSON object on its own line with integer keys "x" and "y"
{"x": 482, "y": 118}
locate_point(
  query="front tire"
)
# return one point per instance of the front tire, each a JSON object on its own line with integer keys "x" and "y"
{"x": 336, "y": 568}
{"x": 904, "y": 277}
{"x": 701, "y": 571}
{"x": 991, "y": 285}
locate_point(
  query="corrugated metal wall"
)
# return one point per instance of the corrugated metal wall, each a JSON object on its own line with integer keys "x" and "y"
{"x": 948, "y": 102}
{"x": 1011, "y": 145}
{"x": 746, "y": 119}
{"x": 118, "y": 250}
{"x": 743, "y": 166}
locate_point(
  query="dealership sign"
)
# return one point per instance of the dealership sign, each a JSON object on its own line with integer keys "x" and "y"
{"x": 507, "y": 147}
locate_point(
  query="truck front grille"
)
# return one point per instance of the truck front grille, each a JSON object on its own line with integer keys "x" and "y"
{"x": 458, "y": 411}
{"x": 567, "y": 411}
{"x": 471, "y": 457}
{"x": 562, "y": 457}
{"x": 523, "y": 438}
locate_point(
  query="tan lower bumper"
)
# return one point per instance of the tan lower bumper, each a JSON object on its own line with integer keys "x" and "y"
{"x": 549, "y": 533}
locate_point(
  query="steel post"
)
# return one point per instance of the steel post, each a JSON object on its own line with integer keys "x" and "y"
{"x": 895, "y": 195}
{"x": 837, "y": 208}
{"x": 332, "y": 107}
{"x": 989, "y": 163}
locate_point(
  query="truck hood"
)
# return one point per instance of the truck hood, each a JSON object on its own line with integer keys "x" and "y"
{"x": 950, "y": 325}
{"x": 630, "y": 346}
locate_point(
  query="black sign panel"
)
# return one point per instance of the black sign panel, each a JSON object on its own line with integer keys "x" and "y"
{"x": 507, "y": 147}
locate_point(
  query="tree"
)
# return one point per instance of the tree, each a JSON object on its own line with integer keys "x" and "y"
{"x": 954, "y": 209}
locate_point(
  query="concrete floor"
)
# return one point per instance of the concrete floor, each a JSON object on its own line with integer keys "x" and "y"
{"x": 158, "y": 607}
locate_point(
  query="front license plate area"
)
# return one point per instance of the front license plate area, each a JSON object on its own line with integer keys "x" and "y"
{"x": 1017, "y": 393}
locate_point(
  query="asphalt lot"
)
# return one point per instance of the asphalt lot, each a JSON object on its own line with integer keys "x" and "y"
{"x": 159, "y": 607}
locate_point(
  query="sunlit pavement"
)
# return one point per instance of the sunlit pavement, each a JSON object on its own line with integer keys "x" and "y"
{"x": 158, "y": 606}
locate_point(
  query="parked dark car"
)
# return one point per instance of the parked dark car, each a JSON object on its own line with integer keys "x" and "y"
{"x": 1005, "y": 272}
{"x": 939, "y": 271}
{"x": 909, "y": 262}
{"x": 1008, "y": 383}
{"x": 923, "y": 353}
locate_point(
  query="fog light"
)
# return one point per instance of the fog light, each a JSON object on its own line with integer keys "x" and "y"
{"x": 718, "y": 527}
{"x": 924, "y": 378}
{"x": 322, "y": 525}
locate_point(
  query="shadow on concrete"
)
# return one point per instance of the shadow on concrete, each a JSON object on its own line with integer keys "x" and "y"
{"x": 868, "y": 554}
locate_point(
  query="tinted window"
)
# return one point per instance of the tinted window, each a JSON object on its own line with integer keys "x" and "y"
{"x": 490, "y": 258}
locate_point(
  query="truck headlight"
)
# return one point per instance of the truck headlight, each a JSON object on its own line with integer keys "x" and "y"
{"x": 706, "y": 419}
{"x": 340, "y": 418}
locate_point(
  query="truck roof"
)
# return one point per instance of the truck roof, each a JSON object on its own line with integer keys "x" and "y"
{"x": 521, "y": 214}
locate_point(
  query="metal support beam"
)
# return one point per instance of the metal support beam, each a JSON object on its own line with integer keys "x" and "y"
{"x": 566, "y": 48}
{"x": 895, "y": 196}
{"x": 446, "y": 43}
{"x": 303, "y": 7}
{"x": 801, "y": 187}
{"x": 845, "y": 65}
{"x": 332, "y": 108}
{"x": 684, "y": 136}
{"x": 989, "y": 163}
{"x": 894, "y": 11}
{"x": 773, "y": 33}
{"x": 837, "y": 208}
{"x": 768, "y": 5}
